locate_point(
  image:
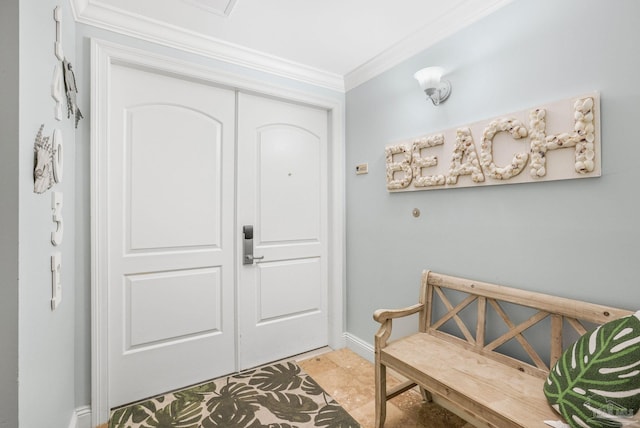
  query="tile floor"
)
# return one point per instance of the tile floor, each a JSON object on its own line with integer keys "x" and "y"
{"x": 349, "y": 379}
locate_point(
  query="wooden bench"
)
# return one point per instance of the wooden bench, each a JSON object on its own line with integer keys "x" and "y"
{"x": 466, "y": 372}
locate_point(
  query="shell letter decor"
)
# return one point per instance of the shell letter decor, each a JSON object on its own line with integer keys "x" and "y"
{"x": 465, "y": 158}
{"x": 582, "y": 138}
{"x": 404, "y": 167}
{"x": 507, "y": 145}
{"x": 517, "y": 131}
{"x": 419, "y": 162}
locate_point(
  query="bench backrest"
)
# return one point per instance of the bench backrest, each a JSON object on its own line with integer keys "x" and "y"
{"x": 563, "y": 313}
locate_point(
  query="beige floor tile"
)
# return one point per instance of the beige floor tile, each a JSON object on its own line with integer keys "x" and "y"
{"x": 346, "y": 358}
{"x": 427, "y": 414}
{"x": 317, "y": 365}
{"x": 396, "y": 418}
{"x": 345, "y": 387}
{"x": 365, "y": 414}
{"x": 349, "y": 379}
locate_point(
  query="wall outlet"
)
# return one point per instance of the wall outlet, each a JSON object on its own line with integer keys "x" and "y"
{"x": 363, "y": 168}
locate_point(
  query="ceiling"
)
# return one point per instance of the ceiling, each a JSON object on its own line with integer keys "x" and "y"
{"x": 333, "y": 43}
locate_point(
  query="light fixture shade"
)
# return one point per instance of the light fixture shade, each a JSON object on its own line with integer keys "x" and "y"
{"x": 431, "y": 82}
{"x": 429, "y": 77}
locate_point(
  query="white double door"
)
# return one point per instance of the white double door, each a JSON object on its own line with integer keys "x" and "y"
{"x": 189, "y": 165}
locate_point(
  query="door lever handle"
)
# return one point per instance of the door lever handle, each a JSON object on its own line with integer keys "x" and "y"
{"x": 247, "y": 246}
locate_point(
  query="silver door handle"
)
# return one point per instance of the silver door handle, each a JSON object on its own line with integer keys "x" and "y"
{"x": 247, "y": 246}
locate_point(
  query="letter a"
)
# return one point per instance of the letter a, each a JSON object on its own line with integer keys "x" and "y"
{"x": 465, "y": 158}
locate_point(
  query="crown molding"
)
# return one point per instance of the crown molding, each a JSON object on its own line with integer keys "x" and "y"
{"x": 465, "y": 14}
{"x": 78, "y": 6}
{"x": 202, "y": 4}
{"x": 97, "y": 14}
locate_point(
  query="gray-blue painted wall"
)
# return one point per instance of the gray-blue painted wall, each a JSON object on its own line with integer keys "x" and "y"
{"x": 576, "y": 238}
{"x": 46, "y": 367}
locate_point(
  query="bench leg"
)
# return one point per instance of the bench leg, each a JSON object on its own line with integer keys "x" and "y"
{"x": 426, "y": 395}
{"x": 381, "y": 394}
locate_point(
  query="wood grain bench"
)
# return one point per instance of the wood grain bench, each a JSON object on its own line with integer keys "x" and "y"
{"x": 466, "y": 371}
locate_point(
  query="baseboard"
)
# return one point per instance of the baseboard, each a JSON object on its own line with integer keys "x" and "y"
{"x": 359, "y": 346}
{"x": 81, "y": 418}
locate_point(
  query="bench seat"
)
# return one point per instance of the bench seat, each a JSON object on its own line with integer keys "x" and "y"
{"x": 479, "y": 385}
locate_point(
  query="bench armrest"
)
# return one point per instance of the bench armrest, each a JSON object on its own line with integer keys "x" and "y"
{"x": 385, "y": 317}
{"x": 381, "y": 315}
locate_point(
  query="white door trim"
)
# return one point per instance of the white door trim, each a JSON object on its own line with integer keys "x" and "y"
{"x": 103, "y": 55}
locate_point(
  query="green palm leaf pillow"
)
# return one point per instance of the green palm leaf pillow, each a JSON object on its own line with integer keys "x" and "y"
{"x": 596, "y": 381}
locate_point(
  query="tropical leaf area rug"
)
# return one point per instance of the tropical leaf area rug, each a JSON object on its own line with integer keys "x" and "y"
{"x": 276, "y": 396}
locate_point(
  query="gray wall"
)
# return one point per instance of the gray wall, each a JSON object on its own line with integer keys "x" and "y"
{"x": 576, "y": 238}
{"x": 9, "y": 213}
{"x": 46, "y": 356}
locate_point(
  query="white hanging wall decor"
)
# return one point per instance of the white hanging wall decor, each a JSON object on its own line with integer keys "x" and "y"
{"x": 57, "y": 17}
{"x": 56, "y": 91}
{"x": 557, "y": 141}
{"x": 49, "y": 157}
{"x": 63, "y": 74}
{"x": 43, "y": 159}
{"x": 57, "y": 82}
{"x": 71, "y": 90}
{"x": 56, "y": 280}
{"x": 56, "y": 207}
{"x": 48, "y": 160}
{"x": 57, "y": 160}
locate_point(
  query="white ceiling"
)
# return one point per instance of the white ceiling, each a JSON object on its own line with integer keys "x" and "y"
{"x": 330, "y": 42}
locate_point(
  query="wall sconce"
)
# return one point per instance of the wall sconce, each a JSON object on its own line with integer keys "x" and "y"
{"x": 431, "y": 82}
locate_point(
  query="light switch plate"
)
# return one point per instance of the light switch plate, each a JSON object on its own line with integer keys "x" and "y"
{"x": 363, "y": 168}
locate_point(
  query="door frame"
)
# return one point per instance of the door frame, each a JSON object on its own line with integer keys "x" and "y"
{"x": 104, "y": 55}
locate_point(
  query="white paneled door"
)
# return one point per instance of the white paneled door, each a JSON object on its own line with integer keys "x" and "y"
{"x": 282, "y": 197}
{"x": 182, "y": 306}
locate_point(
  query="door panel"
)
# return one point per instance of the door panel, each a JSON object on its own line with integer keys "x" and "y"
{"x": 289, "y": 184}
{"x": 171, "y": 245}
{"x": 282, "y": 151}
{"x": 298, "y": 280}
{"x": 156, "y": 319}
{"x": 158, "y": 152}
